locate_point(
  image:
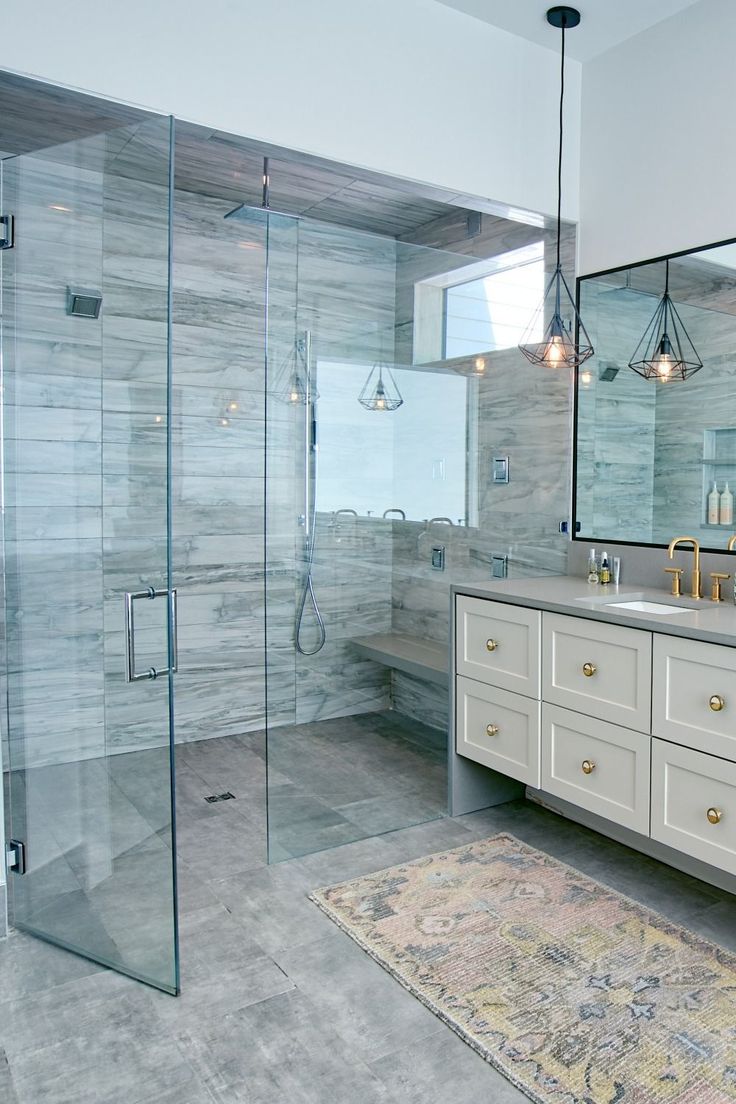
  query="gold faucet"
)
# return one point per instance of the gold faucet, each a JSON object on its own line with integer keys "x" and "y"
{"x": 695, "y": 589}
{"x": 731, "y": 543}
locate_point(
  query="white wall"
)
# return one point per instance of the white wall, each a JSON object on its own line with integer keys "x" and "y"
{"x": 407, "y": 87}
{"x": 658, "y": 159}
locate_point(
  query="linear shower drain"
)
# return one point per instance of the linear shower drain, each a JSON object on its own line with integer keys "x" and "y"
{"x": 220, "y": 797}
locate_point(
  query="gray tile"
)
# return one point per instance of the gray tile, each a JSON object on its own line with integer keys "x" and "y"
{"x": 28, "y": 965}
{"x": 440, "y": 1067}
{"x": 7, "y": 1092}
{"x": 280, "y": 1049}
{"x": 273, "y": 906}
{"x": 209, "y": 998}
{"x": 370, "y": 1010}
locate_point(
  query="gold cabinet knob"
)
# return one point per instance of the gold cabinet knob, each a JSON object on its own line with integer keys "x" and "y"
{"x": 714, "y": 816}
{"x": 491, "y": 645}
{"x": 717, "y": 703}
{"x": 589, "y": 669}
{"x": 492, "y": 730}
{"x": 587, "y": 766}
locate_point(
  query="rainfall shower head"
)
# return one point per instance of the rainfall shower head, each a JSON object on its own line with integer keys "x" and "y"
{"x": 257, "y": 215}
{"x": 260, "y": 215}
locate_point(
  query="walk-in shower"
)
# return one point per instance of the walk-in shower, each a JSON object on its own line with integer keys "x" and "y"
{"x": 178, "y": 440}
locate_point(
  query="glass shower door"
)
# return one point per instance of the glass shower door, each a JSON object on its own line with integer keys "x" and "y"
{"x": 354, "y": 481}
{"x": 90, "y": 614}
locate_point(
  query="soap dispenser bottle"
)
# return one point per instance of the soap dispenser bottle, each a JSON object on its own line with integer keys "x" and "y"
{"x": 605, "y": 575}
{"x": 714, "y": 505}
{"x": 726, "y": 507}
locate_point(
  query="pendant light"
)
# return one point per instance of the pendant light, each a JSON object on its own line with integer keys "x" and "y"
{"x": 564, "y": 344}
{"x": 380, "y": 394}
{"x": 666, "y": 353}
{"x": 294, "y": 382}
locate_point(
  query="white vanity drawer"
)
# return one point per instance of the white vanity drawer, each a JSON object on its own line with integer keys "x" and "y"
{"x": 498, "y": 729}
{"x": 600, "y": 669}
{"x": 689, "y": 790}
{"x": 498, "y": 644}
{"x": 598, "y": 766}
{"x": 694, "y": 695}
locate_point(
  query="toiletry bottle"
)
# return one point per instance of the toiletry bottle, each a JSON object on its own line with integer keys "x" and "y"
{"x": 605, "y": 575}
{"x": 616, "y": 570}
{"x": 592, "y": 567}
{"x": 726, "y": 507}
{"x": 714, "y": 502}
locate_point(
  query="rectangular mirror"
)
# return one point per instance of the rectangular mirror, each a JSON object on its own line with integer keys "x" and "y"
{"x": 648, "y": 452}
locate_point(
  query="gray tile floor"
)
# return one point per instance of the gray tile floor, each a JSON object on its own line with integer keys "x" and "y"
{"x": 278, "y": 1004}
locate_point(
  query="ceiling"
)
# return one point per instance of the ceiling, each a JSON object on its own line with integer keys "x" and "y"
{"x": 604, "y": 23}
{"x": 36, "y": 115}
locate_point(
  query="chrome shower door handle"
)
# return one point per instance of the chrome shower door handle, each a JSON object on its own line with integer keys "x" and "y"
{"x": 131, "y": 596}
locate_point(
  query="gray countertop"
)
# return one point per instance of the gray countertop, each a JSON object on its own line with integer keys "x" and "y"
{"x": 703, "y": 620}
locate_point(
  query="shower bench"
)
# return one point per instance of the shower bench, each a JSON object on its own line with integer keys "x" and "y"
{"x": 424, "y": 659}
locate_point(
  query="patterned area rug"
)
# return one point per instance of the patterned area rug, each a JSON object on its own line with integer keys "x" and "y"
{"x": 577, "y": 994}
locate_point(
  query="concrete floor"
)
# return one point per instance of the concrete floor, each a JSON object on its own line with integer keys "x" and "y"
{"x": 279, "y": 1005}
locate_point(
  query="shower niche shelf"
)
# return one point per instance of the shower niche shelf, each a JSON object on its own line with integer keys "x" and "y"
{"x": 719, "y": 466}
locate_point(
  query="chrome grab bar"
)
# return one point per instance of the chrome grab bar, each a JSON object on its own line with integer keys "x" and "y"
{"x": 441, "y": 521}
{"x": 395, "y": 510}
{"x": 131, "y": 596}
{"x": 354, "y": 513}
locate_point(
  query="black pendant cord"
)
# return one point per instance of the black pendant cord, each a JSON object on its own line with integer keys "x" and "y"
{"x": 559, "y": 154}
{"x": 667, "y": 277}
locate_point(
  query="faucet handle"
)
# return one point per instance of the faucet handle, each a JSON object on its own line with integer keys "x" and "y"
{"x": 676, "y": 573}
{"x": 718, "y": 577}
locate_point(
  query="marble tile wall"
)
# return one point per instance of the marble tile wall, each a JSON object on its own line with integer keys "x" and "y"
{"x": 616, "y": 418}
{"x": 680, "y": 482}
{"x": 517, "y": 410}
{"x": 86, "y": 454}
{"x": 640, "y": 445}
{"x": 86, "y": 429}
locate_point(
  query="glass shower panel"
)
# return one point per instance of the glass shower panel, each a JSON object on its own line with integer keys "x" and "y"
{"x": 352, "y": 494}
{"x": 87, "y": 539}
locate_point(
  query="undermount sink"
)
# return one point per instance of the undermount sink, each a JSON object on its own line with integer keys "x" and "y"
{"x": 608, "y": 600}
{"x": 657, "y": 608}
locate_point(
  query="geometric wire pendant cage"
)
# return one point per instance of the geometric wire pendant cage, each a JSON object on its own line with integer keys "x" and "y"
{"x": 563, "y": 344}
{"x": 293, "y": 380}
{"x": 558, "y": 347}
{"x": 665, "y": 353}
{"x": 378, "y": 393}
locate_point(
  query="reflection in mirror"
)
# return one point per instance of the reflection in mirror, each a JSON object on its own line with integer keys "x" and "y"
{"x": 649, "y": 452}
{"x": 412, "y": 459}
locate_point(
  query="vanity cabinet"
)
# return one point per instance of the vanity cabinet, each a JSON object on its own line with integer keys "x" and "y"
{"x": 635, "y": 726}
{"x": 694, "y": 698}
{"x": 694, "y": 803}
{"x": 601, "y": 767}
{"x": 499, "y": 729}
{"x": 599, "y": 669}
{"x": 499, "y": 644}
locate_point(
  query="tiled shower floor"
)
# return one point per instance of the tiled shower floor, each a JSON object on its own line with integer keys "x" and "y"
{"x": 279, "y": 1005}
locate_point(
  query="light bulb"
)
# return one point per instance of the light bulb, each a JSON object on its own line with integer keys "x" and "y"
{"x": 664, "y": 365}
{"x": 480, "y": 365}
{"x": 555, "y": 352}
{"x": 232, "y": 406}
{"x": 380, "y": 403}
{"x": 585, "y": 378}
